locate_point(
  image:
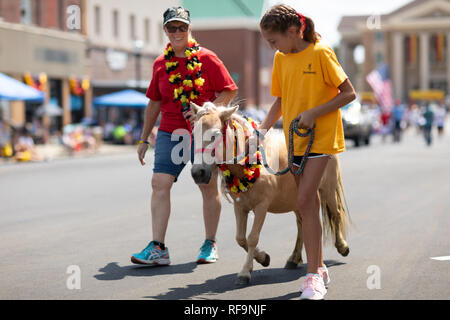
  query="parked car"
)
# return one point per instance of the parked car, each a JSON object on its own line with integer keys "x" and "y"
{"x": 358, "y": 122}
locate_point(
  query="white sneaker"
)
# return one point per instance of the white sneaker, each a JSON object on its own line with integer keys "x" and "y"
{"x": 323, "y": 272}
{"x": 313, "y": 287}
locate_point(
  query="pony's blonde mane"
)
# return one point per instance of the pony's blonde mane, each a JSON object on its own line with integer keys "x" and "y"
{"x": 211, "y": 107}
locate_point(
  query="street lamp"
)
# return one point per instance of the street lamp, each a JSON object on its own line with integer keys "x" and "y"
{"x": 138, "y": 45}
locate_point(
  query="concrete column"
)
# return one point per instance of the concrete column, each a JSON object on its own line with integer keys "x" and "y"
{"x": 351, "y": 64}
{"x": 88, "y": 103}
{"x": 424, "y": 61}
{"x": 398, "y": 66}
{"x": 17, "y": 109}
{"x": 343, "y": 55}
{"x": 448, "y": 63}
{"x": 17, "y": 112}
{"x": 65, "y": 103}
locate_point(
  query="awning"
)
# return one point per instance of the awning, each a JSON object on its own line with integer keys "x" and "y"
{"x": 12, "y": 89}
{"x": 126, "y": 98}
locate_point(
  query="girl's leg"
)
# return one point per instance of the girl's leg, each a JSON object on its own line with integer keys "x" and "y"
{"x": 309, "y": 207}
{"x": 160, "y": 204}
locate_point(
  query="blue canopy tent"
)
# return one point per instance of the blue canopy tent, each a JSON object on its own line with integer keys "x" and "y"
{"x": 12, "y": 89}
{"x": 126, "y": 98}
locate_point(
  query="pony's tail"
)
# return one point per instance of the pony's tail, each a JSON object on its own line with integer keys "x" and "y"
{"x": 335, "y": 213}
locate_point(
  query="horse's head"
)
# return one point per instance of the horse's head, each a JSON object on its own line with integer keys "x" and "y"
{"x": 210, "y": 130}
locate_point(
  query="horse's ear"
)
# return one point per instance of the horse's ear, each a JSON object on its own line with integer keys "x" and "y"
{"x": 195, "y": 107}
{"x": 226, "y": 114}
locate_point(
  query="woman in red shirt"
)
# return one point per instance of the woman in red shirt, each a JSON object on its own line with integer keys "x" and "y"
{"x": 184, "y": 73}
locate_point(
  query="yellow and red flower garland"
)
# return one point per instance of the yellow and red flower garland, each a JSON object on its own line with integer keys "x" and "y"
{"x": 39, "y": 84}
{"x": 251, "y": 172}
{"x": 189, "y": 88}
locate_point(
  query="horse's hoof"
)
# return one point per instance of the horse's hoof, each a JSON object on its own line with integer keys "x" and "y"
{"x": 346, "y": 252}
{"x": 290, "y": 265}
{"x": 266, "y": 261}
{"x": 242, "y": 281}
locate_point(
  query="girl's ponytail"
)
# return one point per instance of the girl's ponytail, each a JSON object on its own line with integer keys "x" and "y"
{"x": 309, "y": 31}
{"x": 280, "y": 17}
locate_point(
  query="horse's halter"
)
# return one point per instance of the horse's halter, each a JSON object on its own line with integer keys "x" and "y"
{"x": 223, "y": 138}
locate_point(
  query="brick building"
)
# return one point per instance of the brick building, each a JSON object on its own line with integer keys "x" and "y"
{"x": 43, "y": 44}
{"x": 124, "y": 39}
{"x": 231, "y": 29}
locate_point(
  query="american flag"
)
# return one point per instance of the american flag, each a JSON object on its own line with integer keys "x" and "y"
{"x": 381, "y": 84}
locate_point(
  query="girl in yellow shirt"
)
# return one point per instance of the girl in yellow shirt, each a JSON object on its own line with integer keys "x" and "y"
{"x": 309, "y": 85}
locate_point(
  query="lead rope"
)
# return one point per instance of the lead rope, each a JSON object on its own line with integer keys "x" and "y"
{"x": 293, "y": 127}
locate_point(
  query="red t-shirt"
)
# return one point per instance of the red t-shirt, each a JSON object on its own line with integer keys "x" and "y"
{"x": 217, "y": 79}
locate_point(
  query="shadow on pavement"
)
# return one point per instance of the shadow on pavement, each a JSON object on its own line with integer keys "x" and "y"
{"x": 227, "y": 283}
{"x": 112, "y": 271}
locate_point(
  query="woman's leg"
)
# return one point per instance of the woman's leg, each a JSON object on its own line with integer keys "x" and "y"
{"x": 309, "y": 207}
{"x": 211, "y": 206}
{"x": 160, "y": 204}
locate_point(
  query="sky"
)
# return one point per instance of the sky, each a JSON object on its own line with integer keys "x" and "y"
{"x": 327, "y": 14}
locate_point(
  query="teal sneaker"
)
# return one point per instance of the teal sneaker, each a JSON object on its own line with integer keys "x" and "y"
{"x": 208, "y": 252}
{"x": 152, "y": 255}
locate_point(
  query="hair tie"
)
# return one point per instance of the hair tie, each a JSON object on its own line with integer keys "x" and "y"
{"x": 302, "y": 19}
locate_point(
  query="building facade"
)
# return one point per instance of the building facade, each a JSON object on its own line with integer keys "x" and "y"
{"x": 43, "y": 43}
{"x": 231, "y": 30}
{"x": 124, "y": 38}
{"x": 413, "y": 40}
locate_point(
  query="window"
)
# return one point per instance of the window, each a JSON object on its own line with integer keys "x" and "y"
{"x": 116, "y": 23}
{"x": 147, "y": 30}
{"x": 97, "y": 21}
{"x": 132, "y": 27}
{"x": 437, "y": 48}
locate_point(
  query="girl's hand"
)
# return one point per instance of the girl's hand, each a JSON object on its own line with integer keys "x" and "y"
{"x": 306, "y": 120}
{"x": 142, "y": 149}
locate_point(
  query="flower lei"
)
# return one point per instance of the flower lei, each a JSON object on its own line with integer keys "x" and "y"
{"x": 189, "y": 88}
{"x": 251, "y": 172}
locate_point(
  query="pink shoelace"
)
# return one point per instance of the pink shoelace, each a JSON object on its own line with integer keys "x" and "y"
{"x": 311, "y": 281}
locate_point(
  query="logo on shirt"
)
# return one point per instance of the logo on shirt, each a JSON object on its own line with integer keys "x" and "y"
{"x": 309, "y": 71}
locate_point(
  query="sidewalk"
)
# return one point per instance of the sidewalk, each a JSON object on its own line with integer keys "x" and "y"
{"x": 55, "y": 152}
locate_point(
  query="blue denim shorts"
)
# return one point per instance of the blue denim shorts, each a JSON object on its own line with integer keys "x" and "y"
{"x": 170, "y": 157}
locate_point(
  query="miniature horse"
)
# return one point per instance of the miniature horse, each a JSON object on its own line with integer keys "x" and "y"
{"x": 270, "y": 193}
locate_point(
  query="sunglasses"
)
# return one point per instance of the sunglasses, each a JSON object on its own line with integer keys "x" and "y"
{"x": 173, "y": 29}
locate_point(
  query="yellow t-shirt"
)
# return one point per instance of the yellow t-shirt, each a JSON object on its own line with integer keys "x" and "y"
{"x": 305, "y": 80}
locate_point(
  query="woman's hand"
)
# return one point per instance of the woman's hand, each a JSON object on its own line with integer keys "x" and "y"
{"x": 306, "y": 119}
{"x": 142, "y": 149}
{"x": 189, "y": 115}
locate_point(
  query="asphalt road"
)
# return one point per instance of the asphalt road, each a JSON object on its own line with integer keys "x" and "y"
{"x": 81, "y": 219}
